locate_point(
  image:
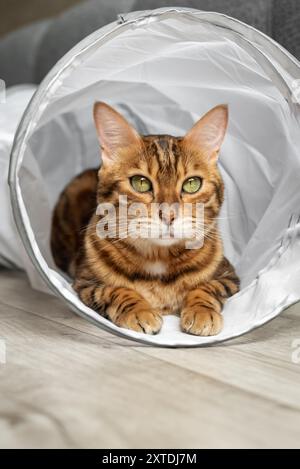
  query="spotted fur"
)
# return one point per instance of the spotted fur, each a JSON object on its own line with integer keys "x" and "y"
{"x": 134, "y": 283}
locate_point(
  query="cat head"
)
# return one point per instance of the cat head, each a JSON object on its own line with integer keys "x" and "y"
{"x": 161, "y": 175}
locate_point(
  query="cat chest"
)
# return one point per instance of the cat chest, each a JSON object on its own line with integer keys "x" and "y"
{"x": 166, "y": 299}
{"x": 161, "y": 294}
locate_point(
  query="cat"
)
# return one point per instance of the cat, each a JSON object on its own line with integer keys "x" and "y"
{"x": 132, "y": 281}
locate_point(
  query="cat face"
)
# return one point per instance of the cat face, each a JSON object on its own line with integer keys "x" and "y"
{"x": 171, "y": 186}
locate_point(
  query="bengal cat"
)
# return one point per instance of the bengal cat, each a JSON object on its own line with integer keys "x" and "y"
{"x": 133, "y": 281}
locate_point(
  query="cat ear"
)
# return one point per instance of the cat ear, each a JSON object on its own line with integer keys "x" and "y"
{"x": 113, "y": 130}
{"x": 209, "y": 132}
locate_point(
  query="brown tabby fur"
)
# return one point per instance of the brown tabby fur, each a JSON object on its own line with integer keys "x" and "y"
{"x": 134, "y": 282}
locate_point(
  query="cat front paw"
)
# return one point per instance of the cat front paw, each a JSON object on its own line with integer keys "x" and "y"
{"x": 145, "y": 321}
{"x": 201, "y": 321}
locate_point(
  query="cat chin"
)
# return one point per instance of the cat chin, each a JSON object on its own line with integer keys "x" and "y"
{"x": 145, "y": 244}
{"x": 165, "y": 242}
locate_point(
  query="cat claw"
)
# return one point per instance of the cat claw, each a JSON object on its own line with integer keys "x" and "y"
{"x": 147, "y": 322}
{"x": 202, "y": 322}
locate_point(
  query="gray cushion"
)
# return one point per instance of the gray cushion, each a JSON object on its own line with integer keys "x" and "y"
{"x": 18, "y": 52}
{"x": 28, "y": 54}
{"x": 286, "y": 25}
{"x": 257, "y": 13}
{"x": 74, "y": 25}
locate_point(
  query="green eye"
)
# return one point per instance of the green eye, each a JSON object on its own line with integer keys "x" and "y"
{"x": 141, "y": 184}
{"x": 192, "y": 185}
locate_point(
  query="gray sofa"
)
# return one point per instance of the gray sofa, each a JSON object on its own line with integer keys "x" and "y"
{"x": 27, "y": 55}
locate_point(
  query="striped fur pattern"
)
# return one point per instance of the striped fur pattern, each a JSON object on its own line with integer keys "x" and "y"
{"x": 135, "y": 282}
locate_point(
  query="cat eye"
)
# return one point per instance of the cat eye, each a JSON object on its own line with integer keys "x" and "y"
{"x": 141, "y": 184}
{"x": 192, "y": 185}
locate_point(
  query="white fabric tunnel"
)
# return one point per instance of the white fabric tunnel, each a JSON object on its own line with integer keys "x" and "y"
{"x": 162, "y": 70}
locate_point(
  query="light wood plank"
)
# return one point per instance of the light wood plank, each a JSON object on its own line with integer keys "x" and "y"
{"x": 67, "y": 383}
{"x": 15, "y": 291}
{"x": 259, "y": 363}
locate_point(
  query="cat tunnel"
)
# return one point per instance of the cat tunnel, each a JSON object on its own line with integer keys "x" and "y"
{"x": 162, "y": 70}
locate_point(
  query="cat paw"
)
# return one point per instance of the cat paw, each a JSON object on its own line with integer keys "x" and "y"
{"x": 145, "y": 321}
{"x": 201, "y": 321}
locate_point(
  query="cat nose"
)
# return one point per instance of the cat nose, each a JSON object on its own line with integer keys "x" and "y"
{"x": 167, "y": 218}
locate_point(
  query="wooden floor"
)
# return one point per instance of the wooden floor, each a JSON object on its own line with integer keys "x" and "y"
{"x": 68, "y": 384}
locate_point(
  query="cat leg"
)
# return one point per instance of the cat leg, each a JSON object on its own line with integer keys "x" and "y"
{"x": 123, "y": 306}
{"x": 201, "y": 313}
